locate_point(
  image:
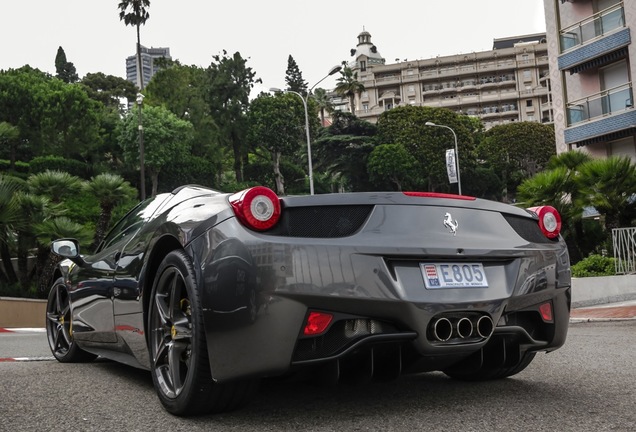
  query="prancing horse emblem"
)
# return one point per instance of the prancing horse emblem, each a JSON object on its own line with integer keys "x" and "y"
{"x": 450, "y": 224}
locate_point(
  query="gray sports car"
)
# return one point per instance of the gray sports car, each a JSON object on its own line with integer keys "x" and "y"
{"x": 213, "y": 291}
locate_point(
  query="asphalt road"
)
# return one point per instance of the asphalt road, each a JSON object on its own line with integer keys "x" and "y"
{"x": 588, "y": 385}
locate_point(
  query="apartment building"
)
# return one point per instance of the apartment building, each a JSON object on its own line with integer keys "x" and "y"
{"x": 509, "y": 83}
{"x": 149, "y": 66}
{"x": 591, "y": 64}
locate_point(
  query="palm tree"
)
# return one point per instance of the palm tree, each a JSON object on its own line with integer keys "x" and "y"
{"x": 110, "y": 190}
{"x": 33, "y": 209}
{"x": 609, "y": 185}
{"x": 9, "y": 220}
{"x": 54, "y": 184}
{"x": 558, "y": 186}
{"x": 348, "y": 85}
{"x": 135, "y": 13}
{"x": 323, "y": 102}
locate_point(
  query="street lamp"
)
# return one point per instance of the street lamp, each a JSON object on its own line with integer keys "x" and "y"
{"x": 333, "y": 70}
{"x": 459, "y": 181}
{"x": 142, "y": 185}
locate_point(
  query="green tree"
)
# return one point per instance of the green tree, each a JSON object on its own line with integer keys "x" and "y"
{"x": 342, "y": 151}
{"x": 348, "y": 85}
{"x": 110, "y": 190}
{"x": 167, "y": 140}
{"x": 64, "y": 69}
{"x": 110, "y": 90}
{"x": 276, "y": 124}
{"x": 294, "y": 77}
{"x": 9, "y": 140}
{"x": 9, "y": 221}
{"x": 559, "y": 186}
{"x": 228, "y": 84}
{"x": 180, "y": 89}
{"x": 407, "y": 126}
{"x": 323, "y": 102}
{"x": 53, "y": 117}
{"x": 55, "y": 185}
{"x": 517, "y": 151}
{"x": 135, "y": 13}
{"x": 609, "y": 185}
{"x": 392, "y": 162}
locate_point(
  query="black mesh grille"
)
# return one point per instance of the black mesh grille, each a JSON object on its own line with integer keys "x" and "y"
{"x": 321, "y": 222}
{"x": 528, "y": 229}
{"x": 339, "y": 336}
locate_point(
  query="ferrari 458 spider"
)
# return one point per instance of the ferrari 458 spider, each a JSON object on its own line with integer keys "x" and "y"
{"x": 213, "y": 291}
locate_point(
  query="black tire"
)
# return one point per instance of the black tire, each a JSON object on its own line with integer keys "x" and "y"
{"x": 180, "y": 366}
{"x": 59, "y": 327}
{"x": 492, "y": 373}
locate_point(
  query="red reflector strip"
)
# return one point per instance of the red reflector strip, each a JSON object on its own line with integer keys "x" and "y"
{"x": 439, "y": 195}
{"x": 317, "y": 323}
{"x": 546, "y": 312}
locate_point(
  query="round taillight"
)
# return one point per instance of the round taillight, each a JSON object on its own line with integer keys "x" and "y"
{"x": 549, "y": 220}
{"x": 258, "y": 208}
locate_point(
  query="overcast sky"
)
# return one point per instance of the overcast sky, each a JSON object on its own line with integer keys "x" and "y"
{"x": 318, "y": 34}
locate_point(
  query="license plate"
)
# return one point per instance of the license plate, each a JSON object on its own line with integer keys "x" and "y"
{"x": 454, "y": 275}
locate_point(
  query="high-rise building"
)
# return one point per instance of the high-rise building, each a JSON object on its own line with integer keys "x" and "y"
{"x": 149, "y": 65}
{"x": 509, "y": 83}
{"x": 592, "y": 60}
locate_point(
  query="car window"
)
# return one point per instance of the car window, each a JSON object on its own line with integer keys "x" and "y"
{"x": 133, "y": 220}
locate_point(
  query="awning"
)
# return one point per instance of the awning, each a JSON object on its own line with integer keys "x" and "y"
{"x": 603, "y": 60}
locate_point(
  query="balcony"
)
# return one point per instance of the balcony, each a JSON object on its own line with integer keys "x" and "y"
{"x": 591, "y": 28}
{"x": 585, "y": 51}
{"x": 602, "y": 104}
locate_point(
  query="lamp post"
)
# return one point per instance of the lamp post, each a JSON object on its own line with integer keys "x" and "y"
{"x": 459, "y": 181}
{"x": 142, "y": 184}
{"x": 333, "y": 70}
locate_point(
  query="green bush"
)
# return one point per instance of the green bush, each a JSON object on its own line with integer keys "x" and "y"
{"x": 58, "y": 163}
{"x": 594, "y": 265}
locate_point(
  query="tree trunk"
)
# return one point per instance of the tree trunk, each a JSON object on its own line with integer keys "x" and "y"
{"x": 140, "y": 68}
{"x": 102, "y": 225}
{"x": 9, "y": 273}
{"x": 280, "y": 181}
{"x": 155, "y": 182}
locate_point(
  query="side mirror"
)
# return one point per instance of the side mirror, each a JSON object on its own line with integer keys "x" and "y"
{"x": 67, "y": 248}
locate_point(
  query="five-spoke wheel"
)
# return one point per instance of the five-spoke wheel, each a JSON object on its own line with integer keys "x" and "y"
{"x": 59, "y": 326}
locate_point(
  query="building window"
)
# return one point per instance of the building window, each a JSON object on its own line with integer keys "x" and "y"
{"x": 529, "y": 103}
{"x": 411, "y": 88}
{"x": 363, "y": 65}
{"x": 365, "y": 107}
{"x": 527, "y": 76}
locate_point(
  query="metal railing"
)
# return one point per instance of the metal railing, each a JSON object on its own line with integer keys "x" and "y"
{"x": 600, "y": 104}
{"x": 597, "y": 25}
{"x": 624, "y": 244}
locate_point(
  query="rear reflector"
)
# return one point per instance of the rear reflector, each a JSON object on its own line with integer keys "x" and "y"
{"x": 546, "y": 312}
{"x": 317, "y": 323}
{"x": 439, "y": 195}
{"x": 257, "y": 208}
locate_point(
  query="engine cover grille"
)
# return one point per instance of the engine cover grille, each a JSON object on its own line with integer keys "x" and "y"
{"x": 321, "y": 222}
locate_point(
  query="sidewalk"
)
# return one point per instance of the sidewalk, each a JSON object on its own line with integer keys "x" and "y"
{"x": 605, "y": 312}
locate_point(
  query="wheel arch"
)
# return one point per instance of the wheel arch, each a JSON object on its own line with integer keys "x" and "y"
{"x": 163, "y": 246}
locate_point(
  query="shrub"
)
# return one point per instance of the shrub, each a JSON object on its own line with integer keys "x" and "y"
{"x": 57, "y": 163}
{"x": 594, "y": 265}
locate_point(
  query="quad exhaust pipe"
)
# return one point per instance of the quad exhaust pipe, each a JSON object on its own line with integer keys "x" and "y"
{"x": 443, "y": 329}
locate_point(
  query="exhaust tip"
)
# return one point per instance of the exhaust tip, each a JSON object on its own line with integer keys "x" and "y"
{"x": 485, "y": 326}
{"x": 464, "y": 328}
{"x": 442, "y": 329}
